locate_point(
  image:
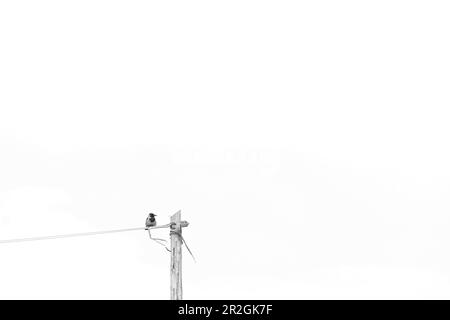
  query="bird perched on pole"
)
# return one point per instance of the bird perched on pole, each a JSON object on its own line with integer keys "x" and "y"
{"x": 151, "y": 221}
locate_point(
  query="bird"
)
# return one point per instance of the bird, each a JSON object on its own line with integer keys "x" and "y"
{"x": 151, "y": 221}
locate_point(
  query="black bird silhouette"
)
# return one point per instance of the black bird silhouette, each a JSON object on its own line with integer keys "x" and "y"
{"x": 151, "y": 221}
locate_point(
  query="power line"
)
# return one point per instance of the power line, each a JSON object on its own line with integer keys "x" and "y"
{"x": 70, "y": 235}
{"x": 83, "y": 234}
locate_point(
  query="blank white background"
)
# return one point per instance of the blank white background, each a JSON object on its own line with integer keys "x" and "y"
{"x": 307, "y": 143}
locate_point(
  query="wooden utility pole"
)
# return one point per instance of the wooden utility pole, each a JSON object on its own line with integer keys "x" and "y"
{"x": 176, "y": 285}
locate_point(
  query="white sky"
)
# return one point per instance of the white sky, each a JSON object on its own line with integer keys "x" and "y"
{"x": 305, "y": 141}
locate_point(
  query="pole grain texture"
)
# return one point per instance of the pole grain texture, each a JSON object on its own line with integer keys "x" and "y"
{"x": 176, "y": 285}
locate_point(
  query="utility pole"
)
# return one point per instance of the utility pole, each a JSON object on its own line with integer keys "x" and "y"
{"x": 176, "y": 241}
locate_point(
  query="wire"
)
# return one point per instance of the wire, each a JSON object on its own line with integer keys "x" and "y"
{"x": 158, "y": 240}
{"x": 83, "y": 234}
{"x": 184, "y": 241}
{"x": 70, "y": 235}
